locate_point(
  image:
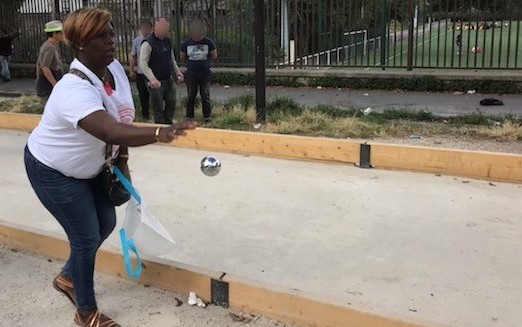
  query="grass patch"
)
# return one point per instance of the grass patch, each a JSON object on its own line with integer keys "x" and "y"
{"x": 284, "y": 107}
{"x": 25, "y": 104}
{"x": 234, "y": 119}
{"x": 244, "y": 102}
{"x": 286, "y": 116}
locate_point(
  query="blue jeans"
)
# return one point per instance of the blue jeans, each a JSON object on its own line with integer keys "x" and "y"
{"x": 4, "y": 61}
{"x": 85, "y": 214}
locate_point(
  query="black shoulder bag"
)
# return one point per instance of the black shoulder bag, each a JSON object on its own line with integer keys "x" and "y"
{"x": 114, "y": 190}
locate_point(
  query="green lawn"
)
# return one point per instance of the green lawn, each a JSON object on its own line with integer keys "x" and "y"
{"x": 501, "y": 48}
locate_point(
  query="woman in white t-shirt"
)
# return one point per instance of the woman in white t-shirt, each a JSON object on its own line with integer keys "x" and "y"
{"x": 66, "y": 152}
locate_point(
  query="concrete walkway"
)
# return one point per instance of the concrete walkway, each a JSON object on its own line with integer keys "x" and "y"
{"x": 406, "y": 245}
{"x": 444, "y": 104}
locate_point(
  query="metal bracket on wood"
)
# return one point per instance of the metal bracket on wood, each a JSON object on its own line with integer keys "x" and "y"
{"x": 365, "y": 156}
{"x": 219, "y": 292}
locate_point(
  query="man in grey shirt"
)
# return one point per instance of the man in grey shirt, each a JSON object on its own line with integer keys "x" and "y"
{"x": 49, "y": 66}
{"x": 157, "y": 62}
{"x": 136, "y": 72}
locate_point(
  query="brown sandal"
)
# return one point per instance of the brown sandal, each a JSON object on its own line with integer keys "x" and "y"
{"x": 95, "y": 319}
{"x": 63, "y": 285}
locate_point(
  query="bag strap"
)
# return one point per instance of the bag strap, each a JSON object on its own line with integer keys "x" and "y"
{"x": 82, "y": 75}
{"x": 126, "y": 184}
{"x": 108, "y": 154}
{"x": 126, "y": 245}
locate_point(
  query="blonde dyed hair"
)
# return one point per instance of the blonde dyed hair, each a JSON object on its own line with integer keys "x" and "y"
{"x": 85, "y": 24}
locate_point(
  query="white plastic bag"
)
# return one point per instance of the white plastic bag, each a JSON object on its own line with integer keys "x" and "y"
{"x": 148, "y": 234}
{"x": 142, "y": 233}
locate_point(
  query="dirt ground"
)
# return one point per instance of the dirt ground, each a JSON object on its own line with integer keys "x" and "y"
{"x": 29, "y": 300}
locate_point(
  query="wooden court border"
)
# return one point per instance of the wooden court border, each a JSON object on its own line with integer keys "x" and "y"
{"x": 244, "y": 296}
{"x": 473, "y": 164}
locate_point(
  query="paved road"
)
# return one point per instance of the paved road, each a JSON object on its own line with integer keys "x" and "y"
{"x": 407, "y": 245}
{"x": 445, "y": 104}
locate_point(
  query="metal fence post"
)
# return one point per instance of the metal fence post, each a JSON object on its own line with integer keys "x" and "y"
{"x": 56, "y": 11}
{"x": 296, "y": 32}
{"x": 259, "y": 23}
{"x": 411, "y": 11}
{"x": 384, "y": 31}
{"x": 177, "y": 18}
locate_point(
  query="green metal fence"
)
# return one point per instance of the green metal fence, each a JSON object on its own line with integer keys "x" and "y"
{"x": 472, "y": 34}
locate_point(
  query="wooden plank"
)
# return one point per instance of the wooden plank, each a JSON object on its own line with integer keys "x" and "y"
{"x": 27, "y": 239}
{"x": 24, "y": 122}
{"x": 273, "y": 145}
{"x": 164, "y": 274}
{"x": 474, "y": 164}
{"x": 167, "y": 275}
{"x": 295, "y": 309}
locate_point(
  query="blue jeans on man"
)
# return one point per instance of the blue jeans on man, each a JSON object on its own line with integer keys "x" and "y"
{"x": 6, "y": 74}
{"x": 86, "y": 215}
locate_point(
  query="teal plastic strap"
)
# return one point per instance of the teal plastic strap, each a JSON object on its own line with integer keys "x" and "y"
{"x": 126, "y": 245}
{"x": 126, "y": 183}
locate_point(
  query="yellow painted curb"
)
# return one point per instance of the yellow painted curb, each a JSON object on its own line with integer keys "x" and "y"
{"x": 474, "y": 164}
{"x": 23, "y": 122}
{"x": 273, "y": 145}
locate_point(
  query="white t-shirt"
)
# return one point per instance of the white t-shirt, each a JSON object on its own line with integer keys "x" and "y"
{"x": 59, "y": 142}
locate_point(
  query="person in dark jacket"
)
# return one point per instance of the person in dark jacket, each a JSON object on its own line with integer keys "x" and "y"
{"x": 157, "y": 63}
{"x": 136, "y": 72}
{"x": 6, "y": 50}
{"x": 458, "y": 41}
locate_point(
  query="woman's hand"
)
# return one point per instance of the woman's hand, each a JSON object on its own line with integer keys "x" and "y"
{"x": 170, "y": 133}
{"x": 106, "y": 128}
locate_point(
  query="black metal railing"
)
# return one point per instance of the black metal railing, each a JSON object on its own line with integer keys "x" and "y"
{"x": 472, "y": 34}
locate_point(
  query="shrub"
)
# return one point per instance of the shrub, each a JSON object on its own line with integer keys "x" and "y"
{"x": 472, "y": 119}
{"x": 284, "y": 105}
{"x": 244, "y": 102}
{"x": 227, "y": 78}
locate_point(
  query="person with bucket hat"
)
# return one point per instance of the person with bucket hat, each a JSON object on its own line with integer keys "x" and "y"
{"x": 49, "y": 66}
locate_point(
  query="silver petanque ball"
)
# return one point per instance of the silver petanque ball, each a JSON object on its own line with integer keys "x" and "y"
{"x": 210, "y": 166}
